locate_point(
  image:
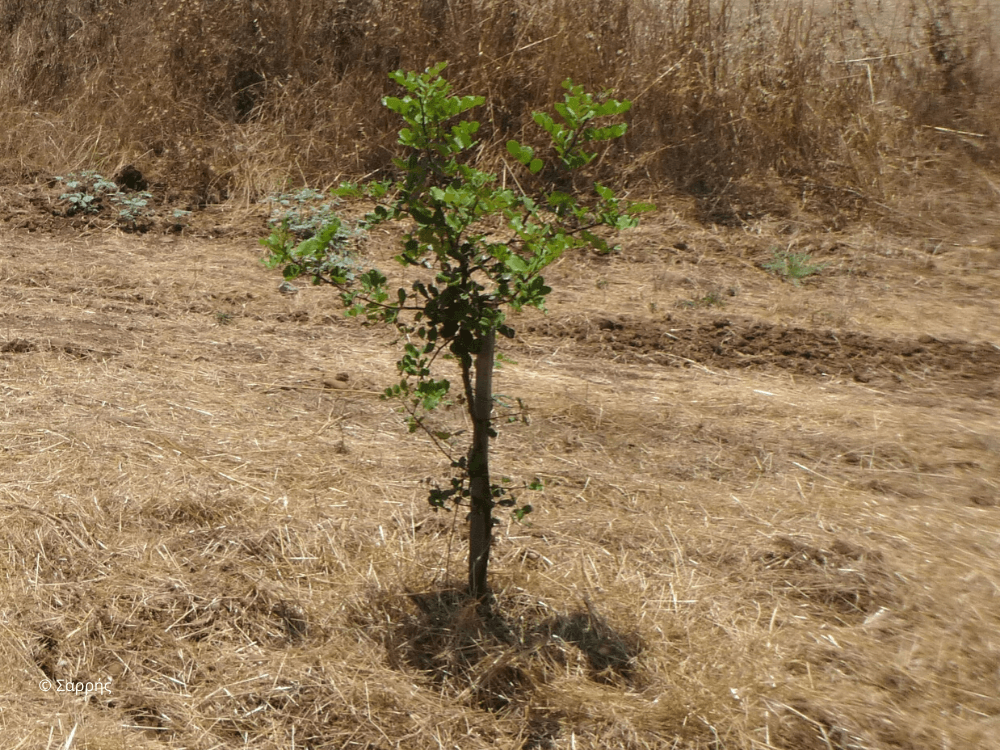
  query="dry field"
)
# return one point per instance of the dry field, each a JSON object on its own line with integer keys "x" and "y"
{"x": 771, "y": 516}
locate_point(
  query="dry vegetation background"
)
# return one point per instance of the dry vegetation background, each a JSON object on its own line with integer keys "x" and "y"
{"x": 836, "y": 107}
{"x": 771, "y": 513}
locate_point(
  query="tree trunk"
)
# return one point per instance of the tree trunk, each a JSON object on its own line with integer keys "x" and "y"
{"x": 481, "y": 516}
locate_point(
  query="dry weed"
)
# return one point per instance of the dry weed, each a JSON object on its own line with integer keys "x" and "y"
{"x": 836, "y": 110}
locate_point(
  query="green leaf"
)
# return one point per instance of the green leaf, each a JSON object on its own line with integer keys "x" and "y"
{"x": 559, "y": 199}
{"x": 598, "y": 243}
{"x": 431, "y": 392}
{"x": 606, "y": 193}
{"x": 436, "y": 70}
{"x": 546, "y": 123}
{"x": 612, "y": 107}
{"x": 347, "y": 190}
{"x": 378, "y": 190}
{"x": 607, "y": 134}
{"x": 522, "y": 153}
{"x": 394, "y": 103}
{"x": 516, "y": 263}
{"x": 566, "y": 113}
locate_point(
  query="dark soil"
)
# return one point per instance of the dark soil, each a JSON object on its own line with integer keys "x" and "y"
{"x": 734, "y": 342}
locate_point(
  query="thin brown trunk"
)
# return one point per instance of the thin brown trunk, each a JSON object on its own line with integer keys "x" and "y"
{"x": 481, "y": 517}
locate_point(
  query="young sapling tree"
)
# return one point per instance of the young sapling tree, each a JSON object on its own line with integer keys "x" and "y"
{"x": 470, "y": 273}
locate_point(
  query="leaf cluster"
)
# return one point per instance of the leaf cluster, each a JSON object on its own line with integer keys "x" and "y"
{"x": 87, "y": 191}
{"x": 574, "y": 128}
{"x": 305, "y": 211}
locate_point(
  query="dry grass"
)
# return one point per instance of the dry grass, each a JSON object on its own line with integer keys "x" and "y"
{"x": 197, "y": 509}
{"x": 833, "y": 109}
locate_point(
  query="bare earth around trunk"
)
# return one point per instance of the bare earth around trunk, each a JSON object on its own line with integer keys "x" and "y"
{"x": 771, "y": 515}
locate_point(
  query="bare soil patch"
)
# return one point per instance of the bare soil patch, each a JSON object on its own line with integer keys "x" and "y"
{"x": 732, "y": 342}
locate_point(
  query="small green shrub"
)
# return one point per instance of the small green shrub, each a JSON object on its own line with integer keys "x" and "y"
{"x": 793, "y": 266}
{"x": 80, "y": 203}
{"x": 478, "y": 250}
{"x": 308, "y": 216}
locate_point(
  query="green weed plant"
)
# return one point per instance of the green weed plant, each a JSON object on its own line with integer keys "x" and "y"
{"x": 793, "y": 266}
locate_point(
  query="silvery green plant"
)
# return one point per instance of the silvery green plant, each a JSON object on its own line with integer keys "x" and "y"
{"x": 303, "y": 212}
{"x": 132, "y": 208}
{"x": 86, "y": 191}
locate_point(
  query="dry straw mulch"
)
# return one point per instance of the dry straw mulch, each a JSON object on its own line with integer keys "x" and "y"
{"x": 205, "y": 505}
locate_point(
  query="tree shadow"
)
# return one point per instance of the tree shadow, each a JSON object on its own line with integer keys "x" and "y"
{"x": 494, "y": 655}
{"x": 611, "y": 654}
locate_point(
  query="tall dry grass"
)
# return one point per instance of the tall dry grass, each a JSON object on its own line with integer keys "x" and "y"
{"x": 751, "y": 106}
